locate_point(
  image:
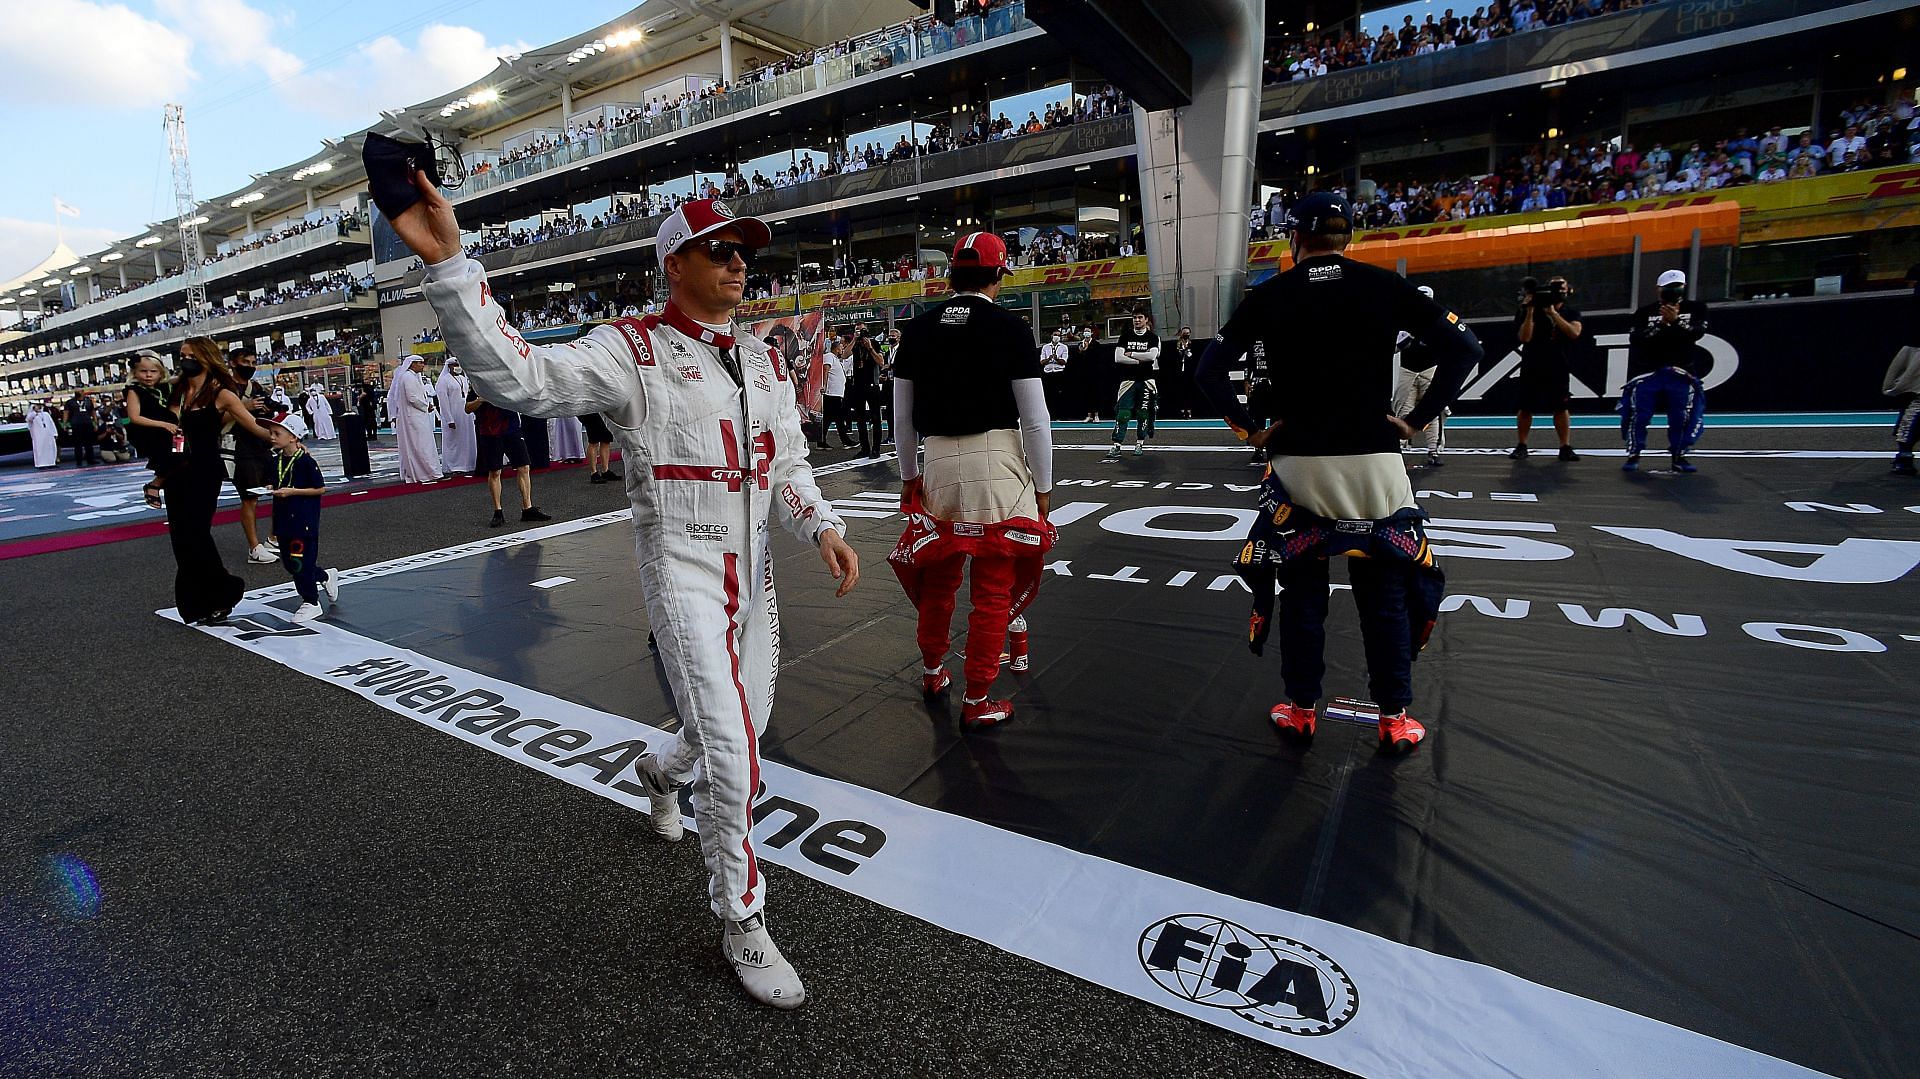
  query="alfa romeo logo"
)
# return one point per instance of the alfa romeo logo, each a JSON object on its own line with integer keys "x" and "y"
{"x": 721, "y": 209}
{"x": 1271, "y": 980}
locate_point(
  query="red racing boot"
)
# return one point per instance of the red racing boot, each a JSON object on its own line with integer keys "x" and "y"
{"x": 984, "y": 712}
{"x": 1400, "y": 733}
{"x": 933, "y": 684}
{"x": 1292, "y": 719}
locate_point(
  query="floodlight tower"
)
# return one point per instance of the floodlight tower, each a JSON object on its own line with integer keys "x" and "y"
{"x": 189, "y": 220}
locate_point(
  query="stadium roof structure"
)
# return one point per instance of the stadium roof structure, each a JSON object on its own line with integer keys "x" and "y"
{"x": 61, "y": 257}
{"x": 653, "y": 35}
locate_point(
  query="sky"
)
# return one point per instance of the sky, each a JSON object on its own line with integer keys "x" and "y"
{"x": 83, "y": 85}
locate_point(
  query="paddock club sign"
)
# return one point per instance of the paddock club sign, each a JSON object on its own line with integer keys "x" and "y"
{"x": 1811, "y": 355}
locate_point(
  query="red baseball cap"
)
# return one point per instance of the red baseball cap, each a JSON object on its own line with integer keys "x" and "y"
{"x": 699, "y": 217}
{"x": 980, "y": 249}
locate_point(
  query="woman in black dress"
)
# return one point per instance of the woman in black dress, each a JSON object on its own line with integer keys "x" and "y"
{"x": 151, "y": 421}
{"x": 204, "y": 395}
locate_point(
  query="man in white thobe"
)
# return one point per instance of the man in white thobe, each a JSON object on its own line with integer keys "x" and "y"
{"x": 410, "y": 406}
{"x": 46, "y": 437}
{"x": 459, "y": 440}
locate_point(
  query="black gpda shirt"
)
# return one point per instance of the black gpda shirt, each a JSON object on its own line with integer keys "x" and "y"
{"x": 963, "y": 358}
{"x": 1329, "y": 325}
{"x": 1132, "y": 344}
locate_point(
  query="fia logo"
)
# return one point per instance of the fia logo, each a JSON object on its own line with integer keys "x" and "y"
{"x": 1271, "y": 980}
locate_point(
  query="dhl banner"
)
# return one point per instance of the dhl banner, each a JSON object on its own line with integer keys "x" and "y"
{"x": 1837, "y": 191}
{"x": 1539, "y": 241}
{"x": 1130, "y": 270}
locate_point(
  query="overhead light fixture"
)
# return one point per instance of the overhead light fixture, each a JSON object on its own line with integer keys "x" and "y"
{"x": 1284, "y": 131}
{"x": 1083, "y": 168}
{"x": 29, "y": 292}
{"x": 1899, "y": 74}
{"x": 146, "y": 241}
{"x": 247, "y": 199}
{"x": 201, "y": 220}
{"x": 112, "y": 256}
{"x": 314, "y": 169}
{"x": 1310, "y": 27}
{"x": 775, "y": 112}
{"x": 913, "y": 198}
{"x": 1553, "y": 84}
{"x": 77, "y": 270}
{"x": 49, "y": 282}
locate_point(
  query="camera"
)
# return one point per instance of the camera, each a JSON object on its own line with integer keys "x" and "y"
{"x": 1533, "y": 293}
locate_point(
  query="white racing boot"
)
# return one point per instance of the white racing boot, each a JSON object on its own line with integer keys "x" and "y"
{"x": 765, "y": 973}
{"x": 663, "y": 816}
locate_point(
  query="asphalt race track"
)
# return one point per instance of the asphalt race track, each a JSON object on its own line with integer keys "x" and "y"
{"x": 1668, "y": 773}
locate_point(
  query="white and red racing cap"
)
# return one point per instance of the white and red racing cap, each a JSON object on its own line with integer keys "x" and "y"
{"x": 699, "y": 217}
{"x": 980, "y": 249}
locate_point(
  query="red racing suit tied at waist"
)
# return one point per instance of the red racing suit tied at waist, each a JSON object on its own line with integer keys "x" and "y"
{"x": 928, "y": 540}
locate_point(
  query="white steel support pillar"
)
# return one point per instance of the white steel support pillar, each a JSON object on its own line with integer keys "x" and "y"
{"x": 1197, "y": 172}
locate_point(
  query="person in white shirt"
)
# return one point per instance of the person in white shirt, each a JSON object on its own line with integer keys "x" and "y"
{"x": 836, "y": 362}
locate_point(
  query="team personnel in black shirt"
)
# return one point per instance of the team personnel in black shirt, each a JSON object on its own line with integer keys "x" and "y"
{"x": 1663, "y": 368}
{"x": 1337, "y": 483}
{"x": 966, "y": 375}
{"x": 1548, "y": 330}
{"x": 1136, "y": 356}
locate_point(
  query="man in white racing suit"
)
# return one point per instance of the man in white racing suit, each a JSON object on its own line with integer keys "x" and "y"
{"x": 706, "y": 419}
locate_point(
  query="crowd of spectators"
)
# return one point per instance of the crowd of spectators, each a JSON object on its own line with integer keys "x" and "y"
{"x": 1096, "y": 104}
{"x": 1867, "y": 135}
{"x": 342, "y": 224}
{"x": 340, "y": 281}
{"x": 348, "y": 342}
{"x": 1302, "y": 57}
{"x": 684, "y": 108}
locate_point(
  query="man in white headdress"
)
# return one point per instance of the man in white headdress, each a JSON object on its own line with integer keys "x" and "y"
{"x": 46, "y": 437}
{"x": 410, "y": 407}
{"x": 290, "y": 416}
{"x": 320, "y": 413}
{"x": 459, "y": 443}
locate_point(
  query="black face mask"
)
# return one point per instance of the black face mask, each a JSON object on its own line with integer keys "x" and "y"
{"x": 190, "y": 368}
{"x": 1673, "y": 294}
{"x": 390, "y": 164}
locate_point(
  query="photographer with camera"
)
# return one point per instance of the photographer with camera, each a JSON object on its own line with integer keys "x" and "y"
{"x": 1548, "y": 330}
{"x": 1663, "y": 348}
